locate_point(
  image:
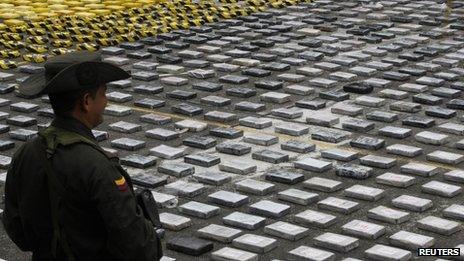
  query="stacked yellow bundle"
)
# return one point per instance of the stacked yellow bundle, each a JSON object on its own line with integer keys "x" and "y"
{"x": 32, "y": 30}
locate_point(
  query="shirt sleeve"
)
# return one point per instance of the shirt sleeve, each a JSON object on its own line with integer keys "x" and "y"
{"x": 130, "y": 235}
{"x": 11, "y": 219}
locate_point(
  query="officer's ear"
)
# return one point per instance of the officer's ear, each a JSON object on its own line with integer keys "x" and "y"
{"x": 86, "y": 101}
{"x": 88, "y": 98}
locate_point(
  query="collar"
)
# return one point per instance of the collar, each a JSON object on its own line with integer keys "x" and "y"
{"x": 73, "y": 125}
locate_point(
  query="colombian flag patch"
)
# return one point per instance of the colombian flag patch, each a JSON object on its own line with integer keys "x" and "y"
{"x": 121, "y": 184}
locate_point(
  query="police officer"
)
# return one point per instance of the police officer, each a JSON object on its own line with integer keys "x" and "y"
{"x": 65, "y": 197}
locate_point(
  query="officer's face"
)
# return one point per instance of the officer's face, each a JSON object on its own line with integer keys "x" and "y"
{"x": 97, "y": 106}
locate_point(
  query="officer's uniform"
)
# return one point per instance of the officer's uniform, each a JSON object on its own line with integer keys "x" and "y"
{"x": 97, "y": 214}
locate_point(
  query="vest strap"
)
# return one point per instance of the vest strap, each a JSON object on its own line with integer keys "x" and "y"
{"x": 55, "y": 136}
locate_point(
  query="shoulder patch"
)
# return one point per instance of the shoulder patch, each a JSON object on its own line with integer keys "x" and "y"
{"x": 121, "y": 184}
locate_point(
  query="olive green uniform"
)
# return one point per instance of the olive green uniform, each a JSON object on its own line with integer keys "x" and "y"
{"x": 105, "y": 222}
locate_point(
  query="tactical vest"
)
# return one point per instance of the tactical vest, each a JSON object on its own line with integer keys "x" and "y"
{"x": 55, "y": 136}
{"x": 51, "y": 138}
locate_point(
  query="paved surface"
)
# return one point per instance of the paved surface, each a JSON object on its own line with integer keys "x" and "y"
{"x": 336, "y": 125}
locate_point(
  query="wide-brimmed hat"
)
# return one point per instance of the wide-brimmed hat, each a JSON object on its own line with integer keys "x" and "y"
{"x": 70, "y": 72}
